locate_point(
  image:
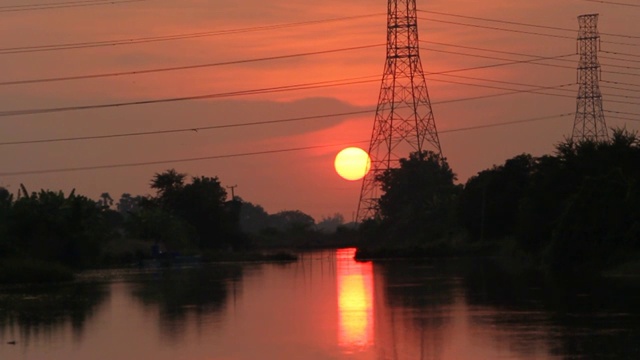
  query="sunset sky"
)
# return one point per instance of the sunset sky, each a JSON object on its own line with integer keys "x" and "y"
{"x": 240, "y": 42}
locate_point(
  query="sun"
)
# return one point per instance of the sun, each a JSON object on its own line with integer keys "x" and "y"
{"x": 352, "y": 163}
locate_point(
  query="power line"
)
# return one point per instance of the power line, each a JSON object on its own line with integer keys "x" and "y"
{"x": 267, "y": 122}
{"x": 498, "y": 28}
{"x": 618, "y": 59}
{"x": 182, "y": 36}
{"x": 519, "y": 23}
{"x": 534, "y": 61}
{"x": 620, "y": 53}
{"x": 559, "y": 88}
{"x": 186, "y": 67}
{"x": 189, "y": 129}
{"x": 491, "y": 50}
{"x": 498, "y": 21}
{"x": 244, "y": 154}
{"x": 280, "y": 57}
{"x": 304, "y": 86}
{"x": 622, "y": 112}
{"x": 137, "y": 164}
{"x": 63, "y": 5}
{"x": 506, "y": 123}
{"x": 618, "y": 88}
{"x": 613, "y": 3}
{"x": 622, "y": 118}
{"x": 519, "y": 31}
{"x": 619, "y": 83}
{"x": 532, "y": 91}
{"x": 315, "y": 85}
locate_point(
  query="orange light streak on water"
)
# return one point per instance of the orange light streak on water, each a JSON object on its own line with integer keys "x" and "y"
{"x": 355, "y": 302}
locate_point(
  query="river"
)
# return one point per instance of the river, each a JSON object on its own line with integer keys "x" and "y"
{"x": 324, "y": 306}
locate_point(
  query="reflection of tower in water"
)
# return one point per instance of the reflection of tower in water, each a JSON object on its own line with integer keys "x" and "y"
{"x": 404, "y": 120}
{"x": 355, "y": 301}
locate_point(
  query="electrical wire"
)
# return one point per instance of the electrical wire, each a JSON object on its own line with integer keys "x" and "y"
{"x": 518, "y": 23}
{"x": 613, "y": 3}
{"x": 497, "y": 28}
{"x": 618, "y": 59}
{"x": 235, "y": 62}
{"x": 276, "y": 89}
{"x": 245, "y": 154}
{"x": 204, "y": 128}
{"x": 619, "y": 53}
{"x": 618, "y": 88}
{"x": 141, "y": 40}
{"x": 622, "y": 118}
{"x": 63, "y": 5}
{"x": 619, "y": 83}
{"x": 185, "y": 67}
{"x": 188, "y": 129}
{"x": 315, "y": 85}
{"x": 622, "y": 112}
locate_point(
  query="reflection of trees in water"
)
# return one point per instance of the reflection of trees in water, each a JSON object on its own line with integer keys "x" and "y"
{"x": 576, "y": 317}
{"x": 419, "y": 297}
{"x": 42, "y": 310}
{"x": 418, "y": 285}
{"x": 180, "y": 294}
{"x": 532, "y": 316}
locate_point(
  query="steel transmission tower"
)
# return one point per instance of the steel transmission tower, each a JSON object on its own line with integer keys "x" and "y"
{"x": 589, "y": 123}
{"x": 404, "y": 120}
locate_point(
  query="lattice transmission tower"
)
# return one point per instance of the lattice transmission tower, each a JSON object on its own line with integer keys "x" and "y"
{"x": 404, "y": 121}
{"x": 589, "y": 123}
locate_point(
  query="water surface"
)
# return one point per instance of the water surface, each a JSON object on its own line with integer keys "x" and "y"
{"x": 324, "y": 306}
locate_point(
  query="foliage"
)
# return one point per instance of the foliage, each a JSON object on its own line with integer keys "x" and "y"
{"x": 331, "y": 224}
{"x": 291, "y": 220}
{"x": 577, "y": 210}
{"x": 51, "y": 227}
{"x": 185, "y": 215}
{"x": 599, "y": 224}
{"x": 488, "y": 205}
{"x": 419, "y": 197}
{"x": 253, "y": 218}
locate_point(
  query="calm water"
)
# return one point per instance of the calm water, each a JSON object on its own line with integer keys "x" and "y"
{"x": 325, "y": 306}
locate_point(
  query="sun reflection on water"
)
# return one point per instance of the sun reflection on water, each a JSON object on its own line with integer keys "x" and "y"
{"x": 355, "y": 301}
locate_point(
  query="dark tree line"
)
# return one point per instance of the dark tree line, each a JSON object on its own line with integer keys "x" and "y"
{"x": 50, "y": 226}
{"x": 576, "y": 210}
{"x": 184, "y": 216}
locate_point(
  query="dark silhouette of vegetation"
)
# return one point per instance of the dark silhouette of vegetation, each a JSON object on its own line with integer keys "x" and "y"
{"x": 46, "y": 235}
{"x": 49, "y": 226}
{"x": 186, "y": 216}
{"x": 418, "y": 203}
{"x": 488, "y": 206}
{"x": 577, "y": 211}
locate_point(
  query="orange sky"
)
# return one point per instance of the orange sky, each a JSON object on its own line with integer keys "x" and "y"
{"x": 303, "y": 180}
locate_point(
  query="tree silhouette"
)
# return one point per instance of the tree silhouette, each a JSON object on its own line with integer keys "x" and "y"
{"x": 418, "y": 199}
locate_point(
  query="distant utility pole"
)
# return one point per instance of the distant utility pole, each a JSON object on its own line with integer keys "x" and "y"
{"x": 589, "y": 123}
{"x": 233, "y": 194}
{"x": 404, "y": 120}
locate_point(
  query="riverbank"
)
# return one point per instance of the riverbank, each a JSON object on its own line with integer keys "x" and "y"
{"x": 28, "y": 271}
{"x": 18, "y": 271}
{"x": 503, "y": 251}
{"x": 432, "y": 250}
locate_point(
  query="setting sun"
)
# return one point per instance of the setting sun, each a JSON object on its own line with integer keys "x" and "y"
{"x": 352, "y": 163}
